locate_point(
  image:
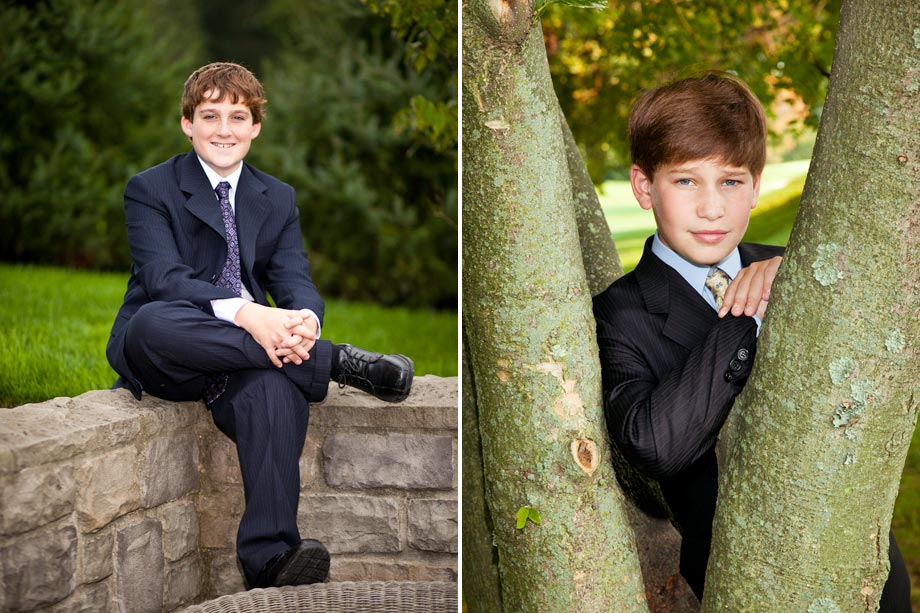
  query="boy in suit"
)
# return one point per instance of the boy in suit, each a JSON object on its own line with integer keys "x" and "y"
{"x": 210, "y": 237}
{"x": 678, "y": 335}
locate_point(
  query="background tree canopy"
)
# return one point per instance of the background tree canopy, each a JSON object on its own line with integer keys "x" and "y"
{"x": 361, "y": 120}
{"x": 601, "y": 60}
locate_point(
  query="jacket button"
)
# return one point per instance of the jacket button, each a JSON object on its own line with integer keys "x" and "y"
{"x": 735, "y": 365}
{"x": 743, "y": 354}
{"x": 729, "y": 376}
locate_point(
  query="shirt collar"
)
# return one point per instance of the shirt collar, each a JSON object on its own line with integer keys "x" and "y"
{"x": 215, "y": 178}
{"x": 695, "y": 274}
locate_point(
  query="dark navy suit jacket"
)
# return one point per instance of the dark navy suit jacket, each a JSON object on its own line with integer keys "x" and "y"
{"x": 178, "y": 245}
{"x": 671, "y": 370}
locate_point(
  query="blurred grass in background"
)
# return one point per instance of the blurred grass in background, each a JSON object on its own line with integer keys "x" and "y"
{"x": 55, "y": 322}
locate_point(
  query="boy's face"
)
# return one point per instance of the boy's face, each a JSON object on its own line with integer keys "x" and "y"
{"x": 701, "y": 207}
{"x": 221, "y": 133}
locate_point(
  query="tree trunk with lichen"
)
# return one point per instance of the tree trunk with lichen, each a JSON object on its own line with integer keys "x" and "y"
{"x": 528, "y": 320}
{"x": 816, "y": 444}
{"x": 480, "y": 568}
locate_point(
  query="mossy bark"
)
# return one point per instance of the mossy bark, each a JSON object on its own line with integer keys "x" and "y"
{"x": 480, "y": 558}
{"x": 598, "y": 251}
{"x": 817, "y": 442}
{"x": 528, "y": 320}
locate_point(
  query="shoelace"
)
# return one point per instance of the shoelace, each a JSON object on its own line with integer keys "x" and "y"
{"x": 352, "y": 364}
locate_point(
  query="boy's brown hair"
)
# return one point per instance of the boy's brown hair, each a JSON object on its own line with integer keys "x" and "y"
{"x": 223, "y": 80}
{"x": 712, "y": 115}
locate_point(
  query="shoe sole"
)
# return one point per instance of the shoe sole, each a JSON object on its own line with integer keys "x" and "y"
{"x": 310, "y": 564}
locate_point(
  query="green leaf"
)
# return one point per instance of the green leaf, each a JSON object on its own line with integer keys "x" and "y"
{"x": 525, "y": 513}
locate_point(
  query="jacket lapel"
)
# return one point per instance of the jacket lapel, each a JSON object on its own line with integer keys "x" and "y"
{"x": 665, "y": 292}
{"x": 202, "y": 201}
{"x": 252, "y": 209}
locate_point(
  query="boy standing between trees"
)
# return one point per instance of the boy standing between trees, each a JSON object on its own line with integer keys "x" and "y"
{"x": 210, "y": 238}
{"x": 678, "y": 335}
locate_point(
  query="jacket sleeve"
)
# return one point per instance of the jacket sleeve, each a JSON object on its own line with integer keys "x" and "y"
{"x": 157, "y": 262}
{"x": 663, "y": 423}
{"x": 287, "y": 273}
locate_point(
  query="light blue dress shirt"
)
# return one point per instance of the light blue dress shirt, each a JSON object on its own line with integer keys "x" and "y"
{"x": 694, "y": 274}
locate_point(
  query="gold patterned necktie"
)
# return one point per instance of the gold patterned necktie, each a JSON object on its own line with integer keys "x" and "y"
{"x": 717, "y": 282}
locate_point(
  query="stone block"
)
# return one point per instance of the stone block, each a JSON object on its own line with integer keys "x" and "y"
{"x": 139, "y": 567}
{"x": 35, "y": 496}
{"x": 183, "y": 582}
{"x": 431, "y": 405}
{"x": 225, "y": 573}
{"x": 351, "y": 523}
{"x": 171, "y": 469}
{"x": 38, "y": 570}
{"x": 96, "y": 555}
{"x": 59, "y": 430}
{"x": 180, "y": 529}
{"x": 433, "y": 525}
{"x": 407, "y": 461}
{"x": 91, "y": 598}
{"x": 220, "y": 463}
{"x": 108, "y": 488}
{"x": 356, "y": 569}
{"x": 309, "y": 461}
{"x": 219, "y": 514}
{"x": 155, "y": 415}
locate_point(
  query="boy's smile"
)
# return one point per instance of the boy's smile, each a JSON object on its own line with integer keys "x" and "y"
{"x": 701, "y": 207}
{"x": 221, "y": 133}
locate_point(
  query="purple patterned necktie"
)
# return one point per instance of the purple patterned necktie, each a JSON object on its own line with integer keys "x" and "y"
{"x": 229, "y": 277}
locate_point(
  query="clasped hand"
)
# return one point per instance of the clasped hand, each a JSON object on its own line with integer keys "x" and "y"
{"x": 749, "y": 291}
{"x": 285, "y": 335}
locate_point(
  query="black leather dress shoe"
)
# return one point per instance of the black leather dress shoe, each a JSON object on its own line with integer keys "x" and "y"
{"x": 386, "y": 376}
{"x": 306, "y": 563}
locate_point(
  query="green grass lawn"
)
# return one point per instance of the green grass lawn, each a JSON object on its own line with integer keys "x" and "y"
{"x": 54, "y": 324}
{"x": 771, "y": 223}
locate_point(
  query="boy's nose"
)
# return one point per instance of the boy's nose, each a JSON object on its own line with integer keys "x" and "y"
{"x": 710, "y": 207}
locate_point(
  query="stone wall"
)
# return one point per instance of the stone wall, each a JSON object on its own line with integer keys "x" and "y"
{"x": 109, "y": 504}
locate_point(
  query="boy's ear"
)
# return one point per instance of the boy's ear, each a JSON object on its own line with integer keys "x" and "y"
{"x": 756, "y": 186}
{"x": 186, "y": 127}
{"x": 256, "y": 129}
{"x": 641, "y": 186}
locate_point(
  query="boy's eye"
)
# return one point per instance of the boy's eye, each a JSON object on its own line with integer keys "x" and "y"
{"x": 732, "y": 182}
{"x": 684, "y": 182}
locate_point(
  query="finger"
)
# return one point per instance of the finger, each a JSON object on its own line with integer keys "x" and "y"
{"x": 304, "y": 332}
{"x": 293, "y": 322}
{"x": 292, "y": 340}
{"x": 739, "y": 300}
{"x": 769, "y": 277}
{"x": 270, "y": 352}
{"x": 302, "y": 352}
{"x": 754, "y": 295}
{"x": 729, "y": 298}
{"x": 762, "y": 309}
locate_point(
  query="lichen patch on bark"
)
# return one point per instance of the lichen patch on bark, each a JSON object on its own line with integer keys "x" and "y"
{"x": 569, "y": 404}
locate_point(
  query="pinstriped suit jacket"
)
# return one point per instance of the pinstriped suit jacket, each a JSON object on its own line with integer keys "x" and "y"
{"x": 671, "y": 370}
{"x": 178, "y": 245}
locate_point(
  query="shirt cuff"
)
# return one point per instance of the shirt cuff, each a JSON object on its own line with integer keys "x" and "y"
{"x": 757, "y": 321}
{"x": 227, "y": 308}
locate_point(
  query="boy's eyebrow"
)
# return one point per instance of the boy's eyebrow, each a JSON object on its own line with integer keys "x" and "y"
{"x": 214, "y": 110}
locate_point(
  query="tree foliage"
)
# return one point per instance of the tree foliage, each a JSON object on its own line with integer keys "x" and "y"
{"x": 378, "y": 206}
{"x": 89, "y": 98}
{"x": 600, "y": 60}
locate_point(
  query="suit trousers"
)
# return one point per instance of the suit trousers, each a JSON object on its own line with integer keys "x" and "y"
{"x": 172, "y": 347}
